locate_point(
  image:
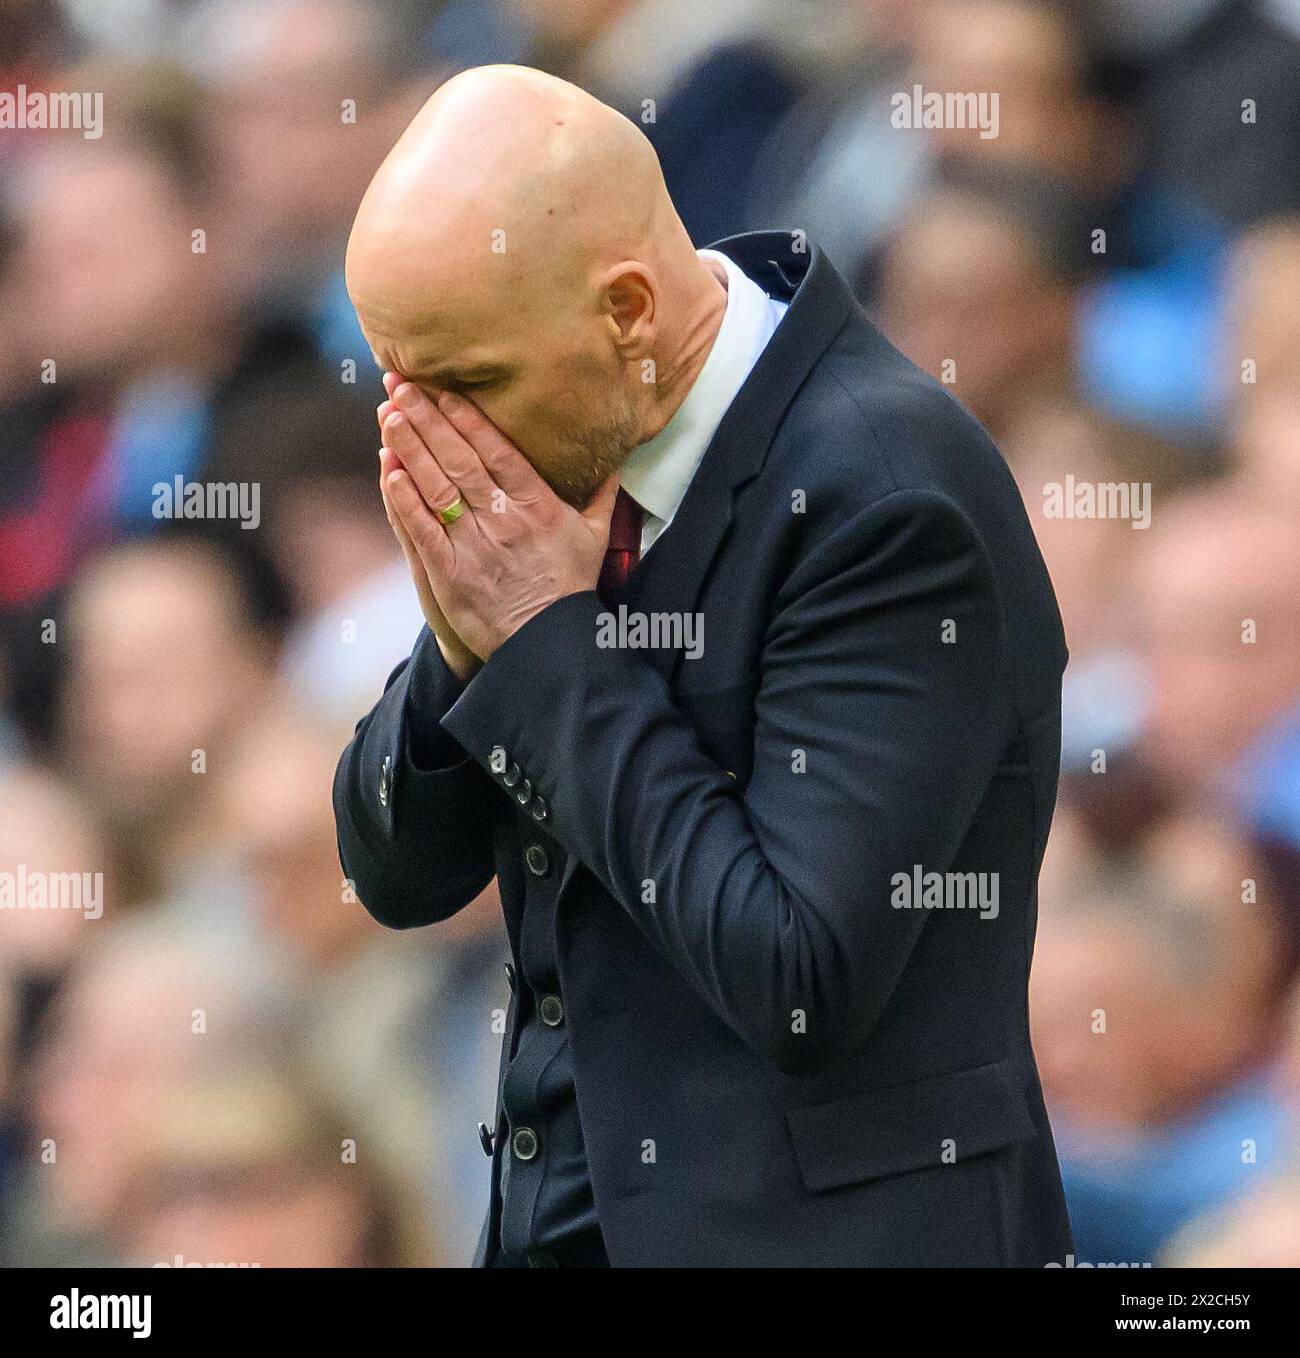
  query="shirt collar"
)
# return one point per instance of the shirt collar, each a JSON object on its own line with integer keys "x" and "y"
{"x": 657, "y": 473}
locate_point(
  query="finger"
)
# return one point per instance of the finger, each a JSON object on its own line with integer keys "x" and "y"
{"x": 419, "y": 573}
{"x": 391, "y": 381}
{"x": 388, "y": 464}
{"x": 507, "y": 466}
{"x": 430, "y": 480}
{"x": 457, "y": 458}
{"x": 383, "y": 410}
{"x": 601, "y": 509}
{"x": 403, "y": 538}
{"x": 427, "y": 534}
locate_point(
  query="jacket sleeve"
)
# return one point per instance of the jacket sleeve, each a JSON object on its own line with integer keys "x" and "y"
{"x": 881, "y": 713}
{"x": 413, "y": 812}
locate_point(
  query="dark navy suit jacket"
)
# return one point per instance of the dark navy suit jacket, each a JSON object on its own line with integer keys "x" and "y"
{"x": 776, "y": 1061}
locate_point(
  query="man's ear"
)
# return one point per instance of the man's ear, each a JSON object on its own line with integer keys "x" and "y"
{"x": 630, "y": 304}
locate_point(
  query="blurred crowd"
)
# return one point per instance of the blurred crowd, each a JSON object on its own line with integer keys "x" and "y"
{"x": 212, "y": 1055}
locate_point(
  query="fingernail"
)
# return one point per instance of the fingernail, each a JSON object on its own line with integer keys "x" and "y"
{"x": 448, "y": 400}
{"x": 404, "y": 395}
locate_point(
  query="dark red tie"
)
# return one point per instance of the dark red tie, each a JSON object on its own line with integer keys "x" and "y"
{"x": 624, "y": 549}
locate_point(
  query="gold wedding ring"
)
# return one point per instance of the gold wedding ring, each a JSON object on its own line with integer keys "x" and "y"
{"x": 450, "y": 513}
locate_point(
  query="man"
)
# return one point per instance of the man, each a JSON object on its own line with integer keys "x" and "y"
{"x": 708, "y": 787}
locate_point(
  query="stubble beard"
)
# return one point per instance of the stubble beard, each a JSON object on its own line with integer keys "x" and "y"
{"x": 590, "y": 460}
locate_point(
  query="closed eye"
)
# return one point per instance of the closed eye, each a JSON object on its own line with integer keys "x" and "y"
{"x": 461, "y": 381}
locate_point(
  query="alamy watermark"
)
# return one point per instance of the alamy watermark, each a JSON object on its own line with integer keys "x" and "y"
{"x": 631, "y": 630}
{"x": 1073, "y": 499}
{"x": 956, "y": 109}
{"x": 921, "y": 890}
{"x": 32, "y": 889}
{"x": 75, "y": 1310}
{"x": 55, "y": 111}
{"x": 182, "y": 499}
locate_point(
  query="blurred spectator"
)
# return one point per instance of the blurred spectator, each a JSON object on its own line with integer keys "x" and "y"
{"x": 251, "y": 1171}
{"x": 139, "y": 343}
{"x": 1055, "y": 443}
{"x": 1215, "y": 90}
{"x": 1037, "y": 61}
{"x": 834, "y": 167}
{"x": 1049, "y": 123}
{"x": 1261, "y": 365}
{"x": 133, "y": 318}
{"x": 44, "y": 832}
{"x": 1218, "y": 589}
{"x": 144, "y": 1013}
{"x": 1154, "y": 1128}
{"x": 308, "y": 95}
{"x": 976, "y": 288}
{"x": 374, "y": 1011}
{"x": 355, "y": 614}
{"x": 1264, "y": 316}
{"x": 45, "y": 829}
{"x": 162, "y": 1126}
{"x": 164, "y": 662}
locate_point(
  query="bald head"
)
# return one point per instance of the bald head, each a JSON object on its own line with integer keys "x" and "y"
{"x": 505, "y": 177}
{"x": 518, "y": 244}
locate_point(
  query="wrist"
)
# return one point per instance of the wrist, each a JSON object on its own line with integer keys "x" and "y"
{"x": 463, "y": 663}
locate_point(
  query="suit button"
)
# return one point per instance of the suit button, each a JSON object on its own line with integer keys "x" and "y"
{"x": 539, "y": 810}
{"x": 510, "y": 976}
{"x": 524, "y": 1143}
{"x": 551, "y": 1010}
{"x": 512, "y": 774}
{"x": 538, "y": 860}
{"x": 385, "y": 779}
{"x": 485, "y": 1139}
{"x": 524, "y": 792}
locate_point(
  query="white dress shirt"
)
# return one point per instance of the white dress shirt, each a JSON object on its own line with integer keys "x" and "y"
{"x": 657, "y": 474}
